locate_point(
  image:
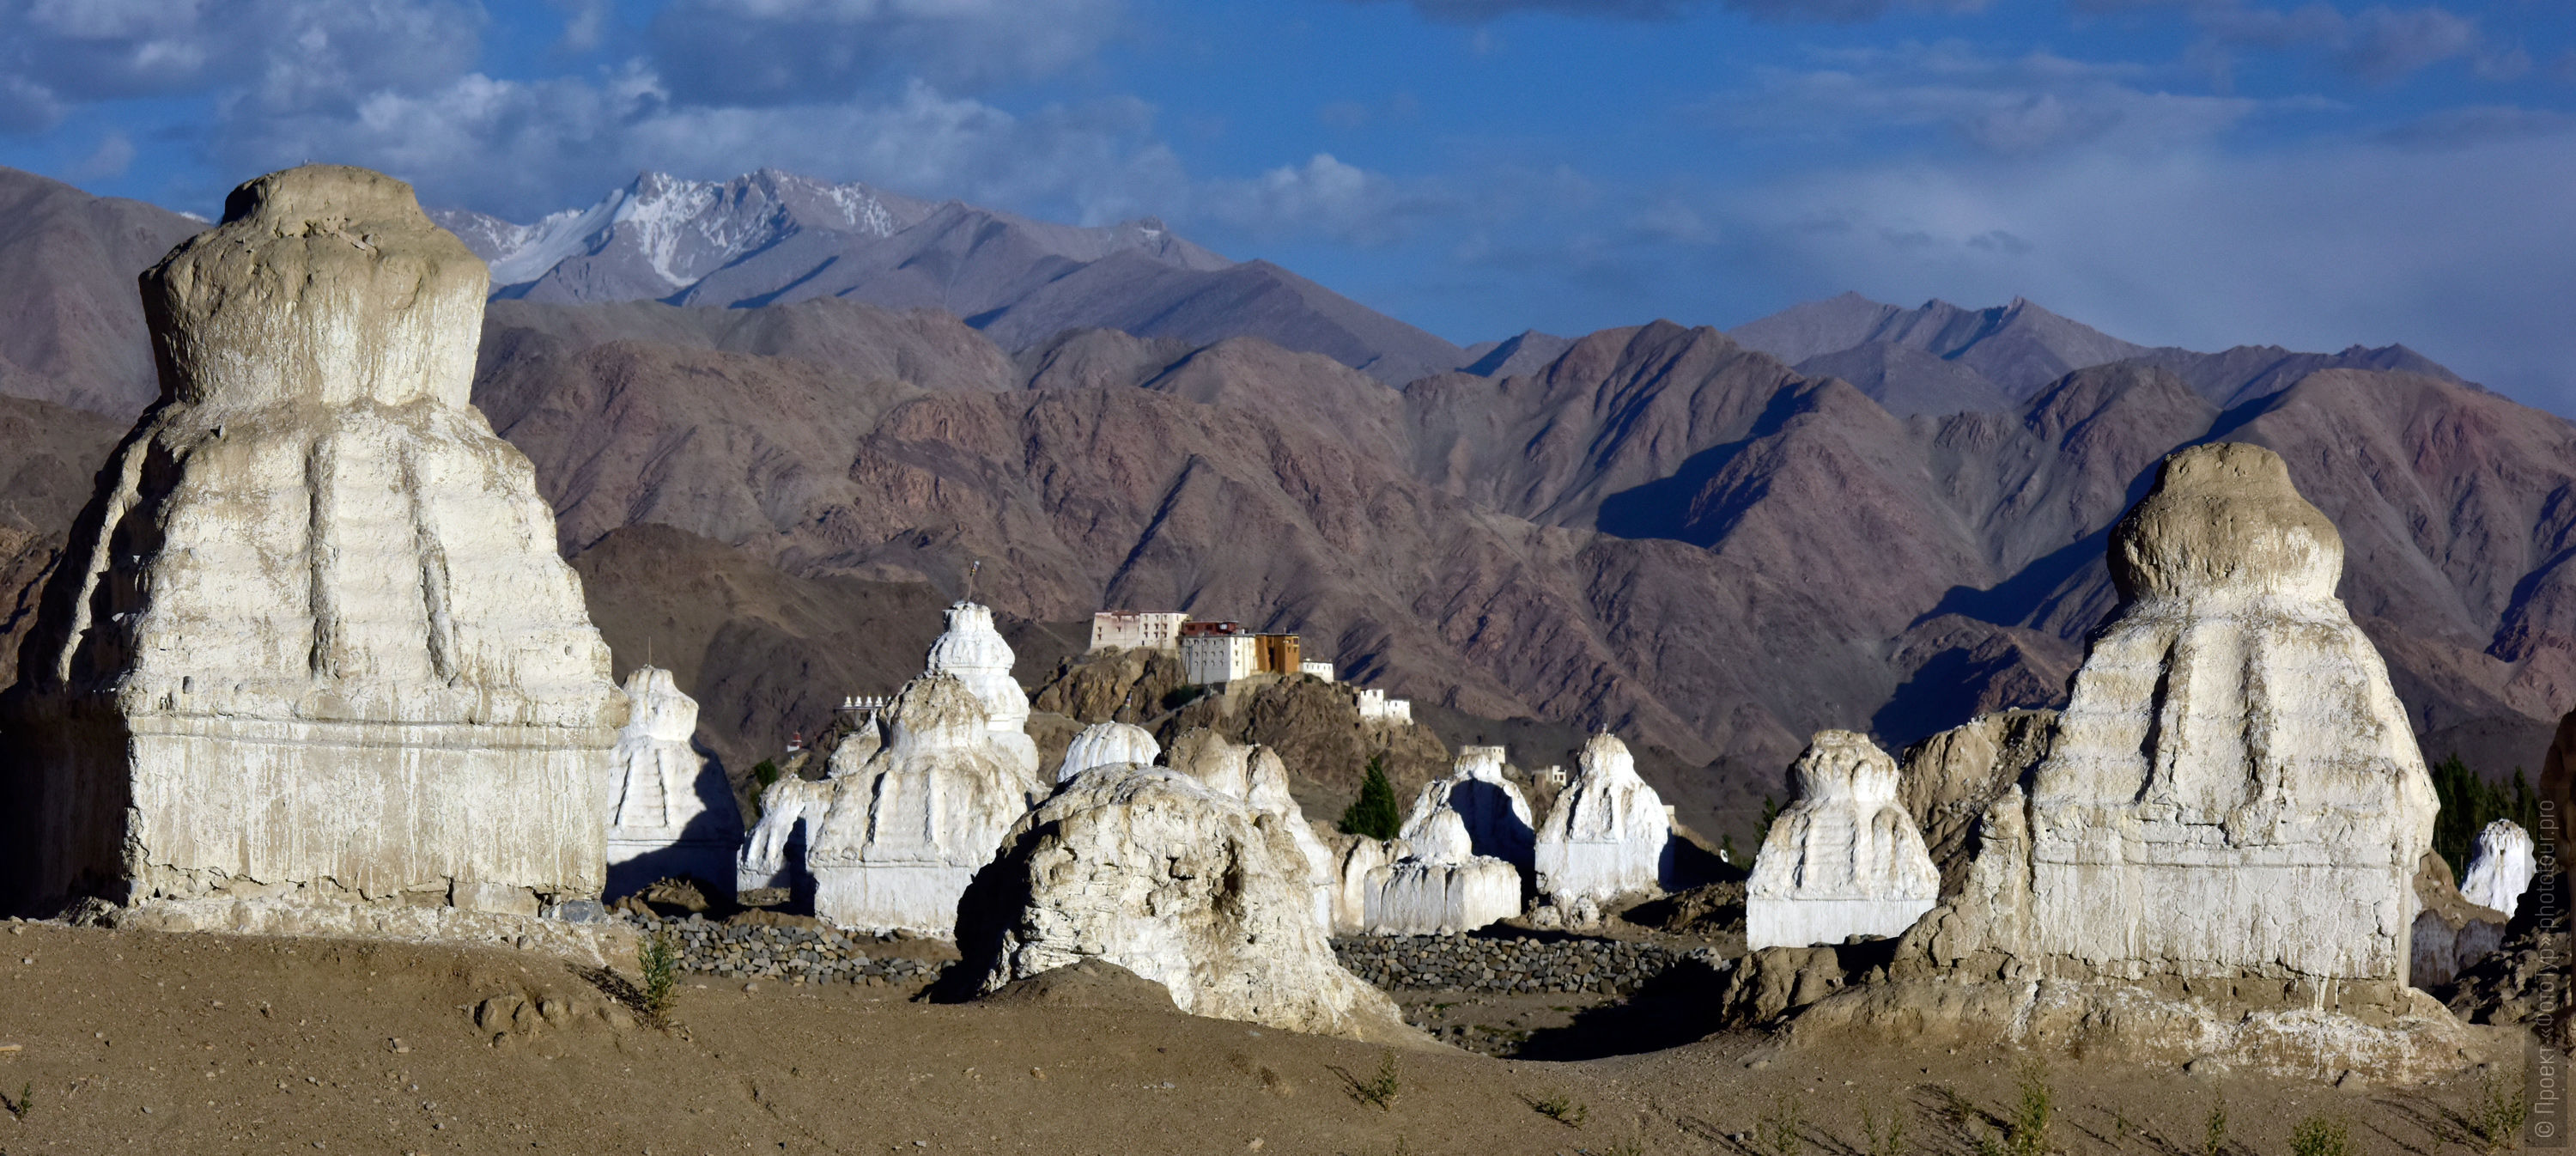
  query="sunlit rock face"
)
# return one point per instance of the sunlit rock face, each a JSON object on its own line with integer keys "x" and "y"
{"x": 2451, "y": 932}
{"x": 1443, "y": 887}
{"x": 1496, "y": 814}
{"x": 1255, "y": 775}
{"x": 670, "y": 812}
{"x": 1353, "y": 863}
{"x": 2233, "y": 787}
{"x": 1607, "y": 836}
{"x": 311, "y": 643}
{"x": 1844, "y": 858}
{"x": 2500, "y": 867}
{"x": 1199, "y": 891}
{"x": 973, "y": 653}
{"x": 904, "y": 832}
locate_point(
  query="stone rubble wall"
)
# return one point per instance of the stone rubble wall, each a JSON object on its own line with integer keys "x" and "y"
{"x": 789, "y": 954}
{"x": 1513, "y": 964}
{"x": 1505, "y": 965}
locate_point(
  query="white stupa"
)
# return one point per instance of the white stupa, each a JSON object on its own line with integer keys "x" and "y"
{"x": 669, "y": 809}
{"x": 972, "y": 652}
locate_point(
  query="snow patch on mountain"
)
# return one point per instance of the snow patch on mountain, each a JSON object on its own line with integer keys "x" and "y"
{"x": 680, "y": 229}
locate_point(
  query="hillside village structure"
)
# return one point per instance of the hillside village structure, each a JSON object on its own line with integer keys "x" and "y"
{"x": 1215, "y": 653}
{"x": 1376, "y": 707}
{"x": 1277, "y": 654}
{"x": 1137, "y": 629}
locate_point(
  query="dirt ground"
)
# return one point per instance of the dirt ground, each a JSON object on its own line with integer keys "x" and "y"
{"x": 133, "y": 1041}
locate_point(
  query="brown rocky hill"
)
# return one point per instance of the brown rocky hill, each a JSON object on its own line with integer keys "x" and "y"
{"x": 1661, "y": 531}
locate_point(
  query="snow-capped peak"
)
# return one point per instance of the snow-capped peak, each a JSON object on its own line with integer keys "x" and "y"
{"x": 681, "y": 229}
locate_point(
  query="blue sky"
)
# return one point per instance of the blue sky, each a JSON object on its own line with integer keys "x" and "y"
{"x": 2312, "y": 173}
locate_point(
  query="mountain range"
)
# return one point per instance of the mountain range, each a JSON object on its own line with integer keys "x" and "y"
{"x": 1673, "y": 531}
{"x": 773, "y": 238}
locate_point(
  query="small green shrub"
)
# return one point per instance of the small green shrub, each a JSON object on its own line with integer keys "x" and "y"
{"x": 1883, "y": 1138}
{"x": 658, "y": 957}
{"x": 1374, "y": 814}
{"x": 2320, "y": 1135}
{"x": 1562, "y": 1110}
{"x": 25, "y": 1102}
{"x": 1382, "y": 1088}
{"x": 2033, "y": 1110}
{"x": 2495, "y": 1117}
{"x": 1782, "y": 1131}
{"x": 763, "y": 773}
{"x": 2214, "y": 1133}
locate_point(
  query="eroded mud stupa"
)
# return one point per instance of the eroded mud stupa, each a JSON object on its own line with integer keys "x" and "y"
{"x": 2234, "y": 785}
{"x": 974, "y": 653}
{"x": 1179, "y": 882}
{"x": 1606, "y": 837}
{"x": 1496, "y": 814}
{"x": 2217, "y": 855}
{"x": 311, "y": 661}
{"x": 1845, "y": 858}
{"x": 906, "y": 831}
{"x": 2500, "y": 867}
{"x": 1257, "y": 776}
{"x": 1443, "y": 886}
{"x": 670, "y": 812}
{"x": 1101, "y": 744}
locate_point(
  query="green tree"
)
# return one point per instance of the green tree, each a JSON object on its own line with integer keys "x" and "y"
{"x": 1373, "y": 814}
{"x": 2469, "y": 803}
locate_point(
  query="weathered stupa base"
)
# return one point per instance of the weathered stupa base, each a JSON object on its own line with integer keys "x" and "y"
{"x": 638, "y": 864}
{"x": 920, "y": 898}
{"x": 597, "y": 942}
{"x": 2373, "y": 1030}
{"x": 2409, "y": 1039}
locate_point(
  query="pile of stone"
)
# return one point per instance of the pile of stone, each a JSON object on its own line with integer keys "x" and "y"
{"x": 792, "y": 954}
{"x": 1511, "y": 964}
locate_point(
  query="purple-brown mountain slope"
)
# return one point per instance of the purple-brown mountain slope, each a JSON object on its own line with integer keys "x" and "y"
{"x": 1941, "y": 359}
{"x": 1662, "y": 531}
{"x": 773, "y": 238}
{"x": 71, "y": 322}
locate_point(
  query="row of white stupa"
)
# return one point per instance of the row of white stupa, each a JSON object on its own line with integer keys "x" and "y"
{"x": 918, "y": 798}
{"x": 1846, "y": 858}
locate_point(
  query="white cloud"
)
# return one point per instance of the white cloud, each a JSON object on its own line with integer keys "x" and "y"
{"x": 1323, "y": 196}
{"x": 585, "y": 24}
{"x": 2017, "y": 106}
{"x": 2379, "y": 45}
{"x": 2313, "y": 247}
{"x": 115, "y": 154}
{"x": 285, "y": 53}
{"x": 518, "y": 148}
{"x": 778, "y": 52}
